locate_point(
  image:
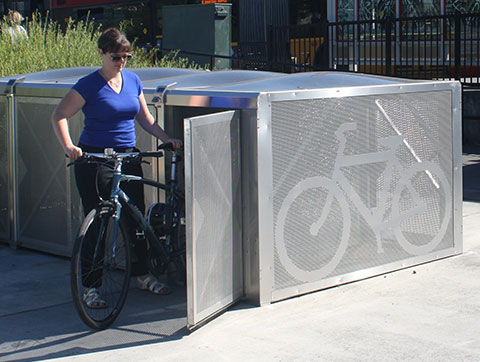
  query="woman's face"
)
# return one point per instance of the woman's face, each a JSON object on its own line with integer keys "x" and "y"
{"x": 115, "y": 61}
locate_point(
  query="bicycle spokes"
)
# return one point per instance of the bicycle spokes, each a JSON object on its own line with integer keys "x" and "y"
{"x": 96, "y": 264}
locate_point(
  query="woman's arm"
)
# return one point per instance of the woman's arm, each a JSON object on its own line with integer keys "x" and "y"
{"x": 148, "y": 123}
{"x": 68, "y": 107}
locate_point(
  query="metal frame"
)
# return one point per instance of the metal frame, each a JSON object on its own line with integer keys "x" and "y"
{"x": 256, "y": 175}
{"x": 10, "y": 91}
{"x": 266, "y": 292}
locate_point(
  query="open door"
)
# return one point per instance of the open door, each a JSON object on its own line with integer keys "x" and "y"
{"x": 213, "y": 198}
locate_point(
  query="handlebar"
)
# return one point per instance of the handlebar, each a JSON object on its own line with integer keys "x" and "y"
{"x": 110, "y": 154}
{"x": 169, "y": 147}
{"x": 166, "y": 146}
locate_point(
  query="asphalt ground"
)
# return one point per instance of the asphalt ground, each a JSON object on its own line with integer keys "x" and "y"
{"x": 430, "y": 312}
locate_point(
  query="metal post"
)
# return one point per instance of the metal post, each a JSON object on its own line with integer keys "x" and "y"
{"x": 212, "y": 62}
{"x": 458, "y": 45}
{"x": 269, "y": 48}
{"x": 153, "y": 23}
{"x": 12, "y": 162}
{"x": 388, "y": 45}
{"x": 162, "y": 100}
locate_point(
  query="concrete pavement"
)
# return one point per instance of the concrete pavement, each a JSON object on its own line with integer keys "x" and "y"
{"x": 429, "y": 312}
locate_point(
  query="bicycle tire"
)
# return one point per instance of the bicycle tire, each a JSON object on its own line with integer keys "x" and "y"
{"x": 439, "y": 200}
{"x": 177, "y": 269}
{"x": 110, "y": 274}
{"x": 170, "y": 232}
{"x": 338, "y": 209}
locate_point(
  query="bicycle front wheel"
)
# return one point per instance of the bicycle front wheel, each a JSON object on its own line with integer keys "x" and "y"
{"x": 313, "y": 217}
{"x": 422, "y": 208}
{"x": 101, "y": 260}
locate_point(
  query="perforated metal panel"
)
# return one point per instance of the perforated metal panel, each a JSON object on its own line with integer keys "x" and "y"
{"x": 49, "y": 208}
{"x": 359, "y": 182}
{"x": 44, "y": 183}
{"x": 213, "y": 210}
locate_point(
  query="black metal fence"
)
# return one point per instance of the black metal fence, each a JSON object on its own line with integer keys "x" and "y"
{"x": 433, "y": 47}
{"x": 429, "y": 47}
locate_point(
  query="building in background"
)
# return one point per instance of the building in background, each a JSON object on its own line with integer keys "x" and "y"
{"x": 347, "y": 10}
{"x": 143, "y": 19}
{"x": 24, "y": 7}
{"x": 146, "y": 16}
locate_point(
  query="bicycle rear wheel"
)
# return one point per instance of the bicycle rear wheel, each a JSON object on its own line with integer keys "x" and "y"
{"x": 101, "y": 261}
{"x": 177, "y": 269}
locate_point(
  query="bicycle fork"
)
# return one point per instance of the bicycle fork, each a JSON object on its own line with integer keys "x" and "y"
{"x": 115, "y": 216}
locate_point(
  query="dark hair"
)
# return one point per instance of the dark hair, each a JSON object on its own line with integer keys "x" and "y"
{"x": 113, "y": 41}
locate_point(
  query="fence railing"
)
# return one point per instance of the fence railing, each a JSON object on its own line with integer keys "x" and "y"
{"x": 429, "y": 47}
{"x": 254, "y": 60}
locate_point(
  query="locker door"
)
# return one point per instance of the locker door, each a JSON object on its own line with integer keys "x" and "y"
{"x": 213, "y": 199}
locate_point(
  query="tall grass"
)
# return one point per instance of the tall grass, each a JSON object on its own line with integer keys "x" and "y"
{"x": 48, "y": 46}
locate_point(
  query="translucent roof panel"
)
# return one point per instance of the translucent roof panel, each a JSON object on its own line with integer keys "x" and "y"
{"x": 311, "y": 80}
{"x": 71, "y": 75}
{"x": 154, "y": 74}
{"x": 156, "y": 79}
{"x": 213, "y": 79}
{"x": 65, "y": 75}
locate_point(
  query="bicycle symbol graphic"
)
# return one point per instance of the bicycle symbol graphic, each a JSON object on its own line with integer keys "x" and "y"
{"x": 386, "y": 216}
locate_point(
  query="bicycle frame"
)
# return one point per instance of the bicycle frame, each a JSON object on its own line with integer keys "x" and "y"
{"x": 374, "y": 216}
{"x": 119, "y": 199}
{"x": 98, "y": 252}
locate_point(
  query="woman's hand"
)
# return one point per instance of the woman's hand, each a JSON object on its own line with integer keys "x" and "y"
{"x": 176, "y": 143}
{"x": 149, "y": 124}
{"x": 73, "y": 152}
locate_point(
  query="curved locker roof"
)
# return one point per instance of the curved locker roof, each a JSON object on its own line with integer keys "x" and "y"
{"x": 71, "y": 75}
{"x": 152, "y": 78}
{"x": 65, "y": 75}
{"x": 312, "y": 80}
{"x": 151, "y": 74}
{"x": 156, "y": 79}
{"x": 206, "y": 79}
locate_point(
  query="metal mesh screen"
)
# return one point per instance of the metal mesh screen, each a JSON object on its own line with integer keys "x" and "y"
{"x": 155, "y": 170}
{"x": 216, "y": 212}
{"x": 359, "y": 182}
{"x": 49, "y": 207}
{"x": 44, "y": 214}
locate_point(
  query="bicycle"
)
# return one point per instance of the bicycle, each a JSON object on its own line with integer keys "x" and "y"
{"x": 395, "y": 211}
{"x": 102, "y": 250}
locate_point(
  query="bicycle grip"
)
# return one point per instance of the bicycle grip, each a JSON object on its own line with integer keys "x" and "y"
{"x": 166, "y": 146}
{"x": 151, "y": 154}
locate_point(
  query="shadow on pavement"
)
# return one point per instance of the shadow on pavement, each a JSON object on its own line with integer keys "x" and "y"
{"x": 38, "y": 320}
{"x": 471, "y": 174}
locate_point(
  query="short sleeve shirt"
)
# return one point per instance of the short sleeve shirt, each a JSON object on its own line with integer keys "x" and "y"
{"x": 109, "y": 116}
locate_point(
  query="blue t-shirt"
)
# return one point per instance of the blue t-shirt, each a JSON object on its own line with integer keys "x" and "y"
{"x": 109, "y": 117}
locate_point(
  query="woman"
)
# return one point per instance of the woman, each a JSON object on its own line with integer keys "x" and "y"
{"x": 111, "y": 99}
{"x": 15, "y": 28}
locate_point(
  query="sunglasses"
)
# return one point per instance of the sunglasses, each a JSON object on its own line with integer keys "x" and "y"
{"x": 117, "y": 58}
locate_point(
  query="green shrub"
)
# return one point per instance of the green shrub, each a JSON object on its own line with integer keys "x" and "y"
{"x": 49, "y": 46}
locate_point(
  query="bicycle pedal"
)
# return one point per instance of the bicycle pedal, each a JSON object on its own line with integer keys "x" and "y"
{"x": 140, "y": 234}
